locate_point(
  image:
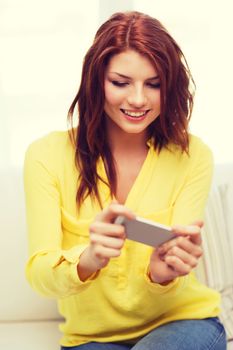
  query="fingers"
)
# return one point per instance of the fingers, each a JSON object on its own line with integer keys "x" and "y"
{"x": 115, "y": 209}
{"x": 181, "y": 242}
{"x": 193, "y": 231}
{"x": 106, "y": 246}
{"x": 178, "y": 256}
{"x": 182, "y": 253}
{"x": 183, "y": 256}
{"x": 110, "y": 242}
{"x": 107, "y": 229}
{"x": 102, "y": 252}
{"x": 107, "y": 238}
{"x": 178, "y": 265}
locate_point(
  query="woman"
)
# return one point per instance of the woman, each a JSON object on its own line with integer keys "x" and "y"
{"x": 131, "y": 154}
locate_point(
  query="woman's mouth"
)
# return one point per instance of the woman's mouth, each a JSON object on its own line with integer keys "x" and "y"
{"x": 134, "y": 114}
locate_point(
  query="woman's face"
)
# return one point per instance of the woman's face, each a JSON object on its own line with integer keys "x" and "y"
{"x": 132, "y": 92}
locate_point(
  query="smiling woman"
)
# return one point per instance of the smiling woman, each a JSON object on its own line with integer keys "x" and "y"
{"x": 132, "y": 101}
{"x": 131, "y": 155}
{"x": 161, "y": 57}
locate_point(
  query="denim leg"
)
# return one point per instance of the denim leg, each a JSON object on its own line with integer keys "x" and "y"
{"x": 207, "y": 334}
{"x": 98, "y": 346}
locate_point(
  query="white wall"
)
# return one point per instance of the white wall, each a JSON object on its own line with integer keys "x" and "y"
{"x": 42, "y": 48}
{"x": 43, "y": 44}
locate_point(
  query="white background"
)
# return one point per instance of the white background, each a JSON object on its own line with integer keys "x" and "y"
{"x": 42, "y": 46}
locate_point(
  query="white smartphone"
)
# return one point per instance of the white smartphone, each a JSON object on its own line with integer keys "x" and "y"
{"x": 145, "y": 231}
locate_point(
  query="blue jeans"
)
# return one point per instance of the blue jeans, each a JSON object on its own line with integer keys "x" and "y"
{"x": 207, "y": 334}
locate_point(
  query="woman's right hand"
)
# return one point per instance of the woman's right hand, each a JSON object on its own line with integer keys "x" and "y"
{"x": 106, "y": 240}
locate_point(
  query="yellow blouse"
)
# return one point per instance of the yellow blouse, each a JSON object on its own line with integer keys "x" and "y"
{"x": 120, "y": 302}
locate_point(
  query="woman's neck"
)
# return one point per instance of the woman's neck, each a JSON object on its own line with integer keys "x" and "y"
{"x": 123, "y": 143}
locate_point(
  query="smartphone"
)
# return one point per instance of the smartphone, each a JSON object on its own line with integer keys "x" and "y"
{"x": 145, "y": 231}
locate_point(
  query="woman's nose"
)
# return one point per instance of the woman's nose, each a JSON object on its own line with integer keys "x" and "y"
{"x": 137, "y": 98}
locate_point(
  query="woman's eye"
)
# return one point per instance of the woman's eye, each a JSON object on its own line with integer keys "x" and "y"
{"x": 154, "y": 86}
{"x": 119, "y": 83}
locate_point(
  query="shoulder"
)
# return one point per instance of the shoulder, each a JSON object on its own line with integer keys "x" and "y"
{"x": 198, "y": 147}
{"x": 200, "y": 154}
{"x": 53, "y": 152}
{"x": 56, "y": 142}
{"x": 198, "y": 150}
{"x": 52, "y": 140}
{"x": 198, "y": 159}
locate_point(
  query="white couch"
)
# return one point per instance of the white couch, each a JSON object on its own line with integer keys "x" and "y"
{"x": 28, "y": 321}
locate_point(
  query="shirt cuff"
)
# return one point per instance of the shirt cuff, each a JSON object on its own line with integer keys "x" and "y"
{"x": 72, "y": 256}
{"x": 175, "y": 286}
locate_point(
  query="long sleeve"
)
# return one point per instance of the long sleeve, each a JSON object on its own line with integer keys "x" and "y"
{"x": 50, "y": 270}
{"x": 190, "y": 198}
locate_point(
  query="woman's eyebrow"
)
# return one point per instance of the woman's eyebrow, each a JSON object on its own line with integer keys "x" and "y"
{"x": 126, "y": 77}
{"x": 153, "y": 78}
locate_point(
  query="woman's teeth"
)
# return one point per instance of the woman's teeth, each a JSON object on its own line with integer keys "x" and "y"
{"x": 134, "y": 114}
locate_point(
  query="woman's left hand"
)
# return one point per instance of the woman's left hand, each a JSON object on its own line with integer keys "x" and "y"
{"x": 177, "y": 257}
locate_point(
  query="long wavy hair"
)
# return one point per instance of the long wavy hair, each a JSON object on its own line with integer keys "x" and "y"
{"x": 147, "y": 36}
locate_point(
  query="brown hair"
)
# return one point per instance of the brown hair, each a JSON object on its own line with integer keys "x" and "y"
{"x": 147, "y": 36}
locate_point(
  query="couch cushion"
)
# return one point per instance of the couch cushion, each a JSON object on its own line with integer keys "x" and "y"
{"x": 18, "y": 300}
{"x": 218, "y": 255}
{"x": 30, "y": 335}
{"x": 223, "y": 174}
{"x": 215, "y": 267}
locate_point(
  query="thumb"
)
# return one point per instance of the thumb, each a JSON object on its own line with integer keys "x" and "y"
{"x": 199, "y": 223}
{"x": 197, "y": 238}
